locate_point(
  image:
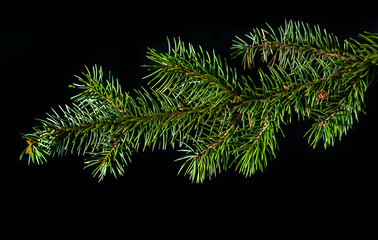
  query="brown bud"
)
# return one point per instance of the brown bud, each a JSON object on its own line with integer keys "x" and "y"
{"x": 322, "y": 95}
{"x": 28, "y": 150}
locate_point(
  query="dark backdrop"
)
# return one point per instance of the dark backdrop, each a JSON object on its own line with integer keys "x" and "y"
{"x": 43, "y": 44}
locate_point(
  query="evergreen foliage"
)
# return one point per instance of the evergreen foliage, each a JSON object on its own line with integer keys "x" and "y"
{"x": 216, "y": 117}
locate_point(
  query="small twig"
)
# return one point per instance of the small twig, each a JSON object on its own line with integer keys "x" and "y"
{"x": 260, "y": 133}
{"x": 219, "y": 139}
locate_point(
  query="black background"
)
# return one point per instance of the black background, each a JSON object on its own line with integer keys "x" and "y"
{"x": 43, "y": 44}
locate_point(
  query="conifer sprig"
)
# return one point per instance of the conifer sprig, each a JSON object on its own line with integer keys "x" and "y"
{"x": 218, "y": 118}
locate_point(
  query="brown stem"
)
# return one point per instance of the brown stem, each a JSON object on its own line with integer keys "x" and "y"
{"x": 219, "y": 139}
{"x": 195, "y": 75}
{"x": 280, "y": 45}
{"x": 260, "y": 133}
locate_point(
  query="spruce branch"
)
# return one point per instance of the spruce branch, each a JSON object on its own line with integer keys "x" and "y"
{"x": 218, "y": 118}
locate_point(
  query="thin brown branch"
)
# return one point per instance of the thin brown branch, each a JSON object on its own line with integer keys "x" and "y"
{"x": 260, "y": 133}
{"x": 197, "y": 76}
{"x": 106, "y": 99}
{"x": 129, "y": 119}
{"x": 59, "y": 130}
{"x": 219, "y": 139}
{"x": 332, "y": 115}
{"x": 279, "y": 45}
